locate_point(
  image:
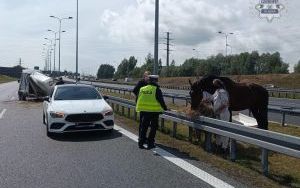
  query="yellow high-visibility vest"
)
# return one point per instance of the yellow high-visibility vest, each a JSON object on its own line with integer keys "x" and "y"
{"x": 147, "y": 100}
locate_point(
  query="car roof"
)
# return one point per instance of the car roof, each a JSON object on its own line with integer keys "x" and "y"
{"x": 75, "y": 85}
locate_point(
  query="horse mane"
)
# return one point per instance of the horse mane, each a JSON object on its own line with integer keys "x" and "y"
{"x": 227, "y": 81}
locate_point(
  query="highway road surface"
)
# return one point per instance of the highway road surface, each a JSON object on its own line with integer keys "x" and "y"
{"x": 275, "y": 117}
{"x": 30, "y": 159}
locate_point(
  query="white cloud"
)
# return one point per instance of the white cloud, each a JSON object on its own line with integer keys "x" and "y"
{"x": 112, "y": 30}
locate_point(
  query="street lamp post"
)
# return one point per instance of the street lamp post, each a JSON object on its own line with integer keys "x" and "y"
{"x": 226, "y": 36}
{"x": 54, "y": 47}
{"x": 155, "y": 71}
{"x": 46, "y": 56}
{"x": 50, "y": 51}
{"x": 59, "y": 35}
{"x": 77, "y": 43}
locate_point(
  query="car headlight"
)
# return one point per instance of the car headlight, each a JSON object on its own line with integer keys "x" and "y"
{"x": 57, "y": 114}
{"x": 108, "y": 113}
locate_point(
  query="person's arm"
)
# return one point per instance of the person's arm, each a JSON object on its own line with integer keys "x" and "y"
{"x": 137, "y": 88}
{"x": 160, "y": 98}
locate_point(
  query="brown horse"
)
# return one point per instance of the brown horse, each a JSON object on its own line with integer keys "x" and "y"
{"x": 241, "y": 96}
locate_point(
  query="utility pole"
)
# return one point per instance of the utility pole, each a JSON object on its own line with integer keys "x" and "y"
{"x": 155, "y": 68}
{"x": 168, "y": 48}
{"x": 168, "y": 51}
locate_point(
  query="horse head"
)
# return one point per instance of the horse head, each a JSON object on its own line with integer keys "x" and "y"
{"x": 196, "y": 94}
{"x": 197, "y": 88}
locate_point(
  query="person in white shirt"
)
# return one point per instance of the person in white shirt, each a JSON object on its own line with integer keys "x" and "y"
{"x": 220, "y": 106}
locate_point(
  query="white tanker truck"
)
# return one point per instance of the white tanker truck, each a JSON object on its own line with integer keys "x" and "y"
{"x": 34, "y": 84}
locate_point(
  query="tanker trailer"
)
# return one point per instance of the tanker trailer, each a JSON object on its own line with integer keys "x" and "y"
{"x": 34, "y": 84}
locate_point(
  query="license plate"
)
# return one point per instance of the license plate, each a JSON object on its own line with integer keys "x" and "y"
{"x": 84, "y": 125}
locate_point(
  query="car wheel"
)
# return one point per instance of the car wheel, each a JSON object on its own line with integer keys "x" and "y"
{"x": 44, "y": 119}
{"x": 49, "y": 134}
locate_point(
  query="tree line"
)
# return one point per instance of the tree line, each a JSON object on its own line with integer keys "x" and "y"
{"x": 240, "y": 64}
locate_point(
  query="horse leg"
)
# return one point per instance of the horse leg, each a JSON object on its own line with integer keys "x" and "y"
{"x": 263, "y": 115}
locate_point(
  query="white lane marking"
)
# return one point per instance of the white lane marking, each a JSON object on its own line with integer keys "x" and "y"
{"x": 204, "y": 176}
{"x": 2, "y": 113}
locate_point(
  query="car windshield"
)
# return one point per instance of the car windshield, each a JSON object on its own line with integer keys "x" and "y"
{"x": 76, "y": 93}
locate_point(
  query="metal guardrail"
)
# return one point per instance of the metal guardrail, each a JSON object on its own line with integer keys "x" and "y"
{"x": 283, "y": 110}
{"x": 266, "y": 140}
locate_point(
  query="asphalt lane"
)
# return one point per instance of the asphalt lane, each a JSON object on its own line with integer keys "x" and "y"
{"x": 30, "y": 159}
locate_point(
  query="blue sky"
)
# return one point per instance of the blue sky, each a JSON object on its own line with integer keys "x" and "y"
{"x": 112, "y": 30}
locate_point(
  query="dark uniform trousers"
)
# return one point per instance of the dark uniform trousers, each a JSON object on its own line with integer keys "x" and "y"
{"x": 149, "y": 119}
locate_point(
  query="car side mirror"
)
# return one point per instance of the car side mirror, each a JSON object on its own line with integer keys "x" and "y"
{"x": 105, "y": 97}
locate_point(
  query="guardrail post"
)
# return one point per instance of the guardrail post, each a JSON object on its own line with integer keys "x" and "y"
{"x": 123, "y": 110}
{"x": 162, "y": 123}
{"x": 208, "y": 141}
{"x": 174, "y": 129}
{"x": 190, "y": 134}
{"x": 186, "y": 102}
{"x": 128, "y": 112}
{"x": 173, "y": 100}
{"x": 134, "y": 115}
{"x": 264, "y": 161}
{"x": 294, "y": 94}
{"x": 124, "y": 92}
{"x": 113, "y": 106}
{"x": 232, "y": 149}
{"x": 283, "y": 119}
{"x": 118, "y": 107}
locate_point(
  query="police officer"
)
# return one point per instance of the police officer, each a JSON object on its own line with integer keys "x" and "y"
{"x": 141, "y": 83}
{"x": 150, "y": 104}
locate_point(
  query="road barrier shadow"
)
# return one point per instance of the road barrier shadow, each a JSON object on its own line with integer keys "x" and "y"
{"x": 86, "y": 136}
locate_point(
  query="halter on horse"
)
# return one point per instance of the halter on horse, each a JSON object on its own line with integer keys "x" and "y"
{"x": 241, "y": 96}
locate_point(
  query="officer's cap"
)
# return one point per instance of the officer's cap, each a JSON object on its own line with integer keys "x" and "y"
{"x": 153, "y": 76}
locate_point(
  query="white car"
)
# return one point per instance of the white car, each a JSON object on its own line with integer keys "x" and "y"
{"x": 76, "y": 107}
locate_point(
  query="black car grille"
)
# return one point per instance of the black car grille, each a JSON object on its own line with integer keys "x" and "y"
{"x": 75, "y": 118}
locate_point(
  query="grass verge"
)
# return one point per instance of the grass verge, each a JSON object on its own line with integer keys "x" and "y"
{"x": 4, "y": 79}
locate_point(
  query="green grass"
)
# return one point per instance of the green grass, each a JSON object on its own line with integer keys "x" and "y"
{"x": 4, "y": 79}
